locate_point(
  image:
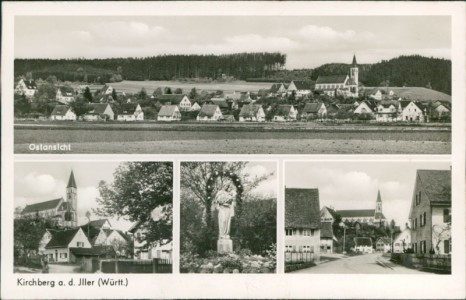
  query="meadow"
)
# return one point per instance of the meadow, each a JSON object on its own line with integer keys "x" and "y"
{"x": 127, "y": 86}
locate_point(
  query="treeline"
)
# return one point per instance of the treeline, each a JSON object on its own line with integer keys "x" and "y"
{"x": 414, "y": 70}
{"x": 164, "y": 67}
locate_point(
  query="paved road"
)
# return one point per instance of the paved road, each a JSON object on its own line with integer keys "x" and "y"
{"x": 62, "y": 268}
{"x": 362, "y": 264}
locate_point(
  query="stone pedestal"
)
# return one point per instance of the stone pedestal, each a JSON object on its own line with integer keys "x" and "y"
{"x": 224, "y": 245}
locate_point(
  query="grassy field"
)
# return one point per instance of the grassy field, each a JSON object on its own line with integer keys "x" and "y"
{"x": 150, "y": 86}
{"x": 234, "y": 139}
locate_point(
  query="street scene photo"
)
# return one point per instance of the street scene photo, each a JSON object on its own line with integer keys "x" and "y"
{"x": 368, "y": 217}
{"x": 233, "y": 84}
{"x": 228, "y": 217}
{"x": 93, "y": 217}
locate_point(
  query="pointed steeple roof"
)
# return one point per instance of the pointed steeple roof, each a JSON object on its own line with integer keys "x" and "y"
{"x": 71, "y": 181}
{"x": 355, "y": 63}
{"x": 379, "y": 199}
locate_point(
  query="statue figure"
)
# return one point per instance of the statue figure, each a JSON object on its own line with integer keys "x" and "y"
{"x": 225, "y": 204}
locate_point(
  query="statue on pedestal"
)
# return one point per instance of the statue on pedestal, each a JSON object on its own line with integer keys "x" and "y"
{"x": 225, "y": 204}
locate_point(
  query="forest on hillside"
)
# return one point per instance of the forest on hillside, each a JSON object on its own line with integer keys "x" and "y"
{"x": 163, "y": 67}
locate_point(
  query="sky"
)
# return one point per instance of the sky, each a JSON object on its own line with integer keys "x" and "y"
{"x": 308, "y": 41}
{"x": 41, "y": 181}
{"x": 354, "y": 185}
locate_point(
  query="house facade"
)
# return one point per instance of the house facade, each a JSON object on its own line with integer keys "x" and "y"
{"x": 195, "y": 107}
{"x": 388, "y": 111}
{"x": 301, "y": 88}
{"x": 143, "y": 250}
{"x": 63, "y": 113}
{"x": 302, "y": 221}
{"x": 366, "y": 107}
{"x": 313, "y": 111}
{"x": 383, "y": 244}
{"x": 210, "y": 112}
{"x": 182, "y": 101}
{"x": 58, "y": 248}
{"x": 65, "y": 95}
{"x": 430, "y": 213}
{"x": 402, "y": 241}
{"x": 252, "y": 113}
{"x": 327, "y": 238}
{"x": 414, "y": 111}
{"x": 363, "y": 245}
{"x": 285, "y": 113}
{"x": 169, "y": 113}
{"x": 98, "y": 111}
{"x": 26, "y": 87}
{"x": 131, "y": 112}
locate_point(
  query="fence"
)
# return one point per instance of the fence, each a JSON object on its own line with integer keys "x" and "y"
{"x": 156, "y": 265}
{"x": 428, "y": 262}
{"x": 299, "y": 257}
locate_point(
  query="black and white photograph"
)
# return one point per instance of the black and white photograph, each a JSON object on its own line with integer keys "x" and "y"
{"x": 233, "y": 84}
{"x": 93, "y": 217}
{"x": 368, "y": 217}
{"x": 228, "y": 217}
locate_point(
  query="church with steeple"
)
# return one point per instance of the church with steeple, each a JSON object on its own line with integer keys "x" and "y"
{"x": 340, "y": 85}
{"x": 62, "y": 210}
{"x": 365, "y": 216}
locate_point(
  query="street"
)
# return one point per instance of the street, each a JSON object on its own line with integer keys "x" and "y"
{"x": 361, "y": 264}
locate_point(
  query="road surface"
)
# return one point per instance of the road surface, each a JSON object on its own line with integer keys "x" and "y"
{"x": 361, "y": 264}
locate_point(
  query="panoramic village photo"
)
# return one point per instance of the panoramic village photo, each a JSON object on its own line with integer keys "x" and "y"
{"x": 368, "y": 217}
{"x": 228, "y": 217}
{"x": 93, "y": 217}
{"x": 233, "y": 84}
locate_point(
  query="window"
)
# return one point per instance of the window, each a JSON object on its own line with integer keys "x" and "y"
{"x": 80, "y": 244}
{"x": 312, "y": 232}
{"x": 289, "y": 232}
{"x": 425, "y": 215}
{"x": 419, "y": 197}
{"x": 447, "y": 246}
{"x": 420, "y": 220}
{"x": 415, "y": 223}
{"x": 306, "y": 248}
{"x": 447, "y": 215}
{"x": 288, "y": 248}
{"x": 63, "y": 255}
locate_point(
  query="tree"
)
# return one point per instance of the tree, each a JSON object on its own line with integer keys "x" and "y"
{"x": 193, "y": 93}
{"x": 80, "y": 105}
{"x": 140, "y": 190}
{"x": 114, "y": 95}
{"x": 157, "y": 92}
{"x": 21, "y": 105}
{"x": 142, "y": 95}
{"x": 178, "y": 91}
{"x": 167, "y": 90}
{"x": 88, "y": 95}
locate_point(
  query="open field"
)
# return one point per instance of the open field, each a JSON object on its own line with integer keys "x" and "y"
{"x": 135, "y": 86}
{"x": 269, "y": 138}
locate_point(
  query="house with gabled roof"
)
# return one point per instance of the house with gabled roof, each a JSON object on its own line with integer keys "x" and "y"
{"x": 327, "y": 238}
{"x": 58, "y": 248}
{"x": 63, "y": 113}
{"x": 430, "y": 212}
{"x": 383, "y": 244}
{"x": 252, "y": 113}
{"x": 169, "y": 113}
{"x": 363, "y": 245}
{"x": 65, "y": 95}
{"x": 328, "y": 214}
{"x": 106, "y": 90}
{"x": 302, "y": 221}
{"x": 402, "y": 241}
{"x": 195, "y": 107}
{"x": 413, "y": 111}
{"x": 209, "y": 112}
{"x": 130, "y": 112}
{"x": 142, "y": 250}
{"x": 366, "y": 107}
{"x": 99, "y": 111}
{"x": 388, "y": 111}
{"x": 301, "y": 88}
{"x": 277, "y": 89}
{"x": 180, "y": 100}
{"x": 26, "y": 87}
{"x": 315, "y": 110}
{"x": 285, "y": 113}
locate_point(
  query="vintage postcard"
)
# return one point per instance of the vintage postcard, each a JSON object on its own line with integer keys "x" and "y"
{"x": 233, "y": 149}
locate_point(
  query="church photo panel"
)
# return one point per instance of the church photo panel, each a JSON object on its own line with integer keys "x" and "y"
{"x": 93, "y": 217}
{"x": 367, "y": 217}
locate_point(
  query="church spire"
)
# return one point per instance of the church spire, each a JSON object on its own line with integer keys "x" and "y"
{"x": 355, "y": 63}
{"x": 71, "y": 181}
{"x": 379, "y": 199}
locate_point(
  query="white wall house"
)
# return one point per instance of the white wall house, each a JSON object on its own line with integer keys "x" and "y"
{"x": 65, "y": 95}
{"x": 365, "y": 107}
{"x": 58, "y": 248}
{"x": 252, "y": 113}
{"x": 413, "y": 112}
{"x": 209, "y": 112}
{"x": 26, "y": 87}
{"x": 195, "y": 107}
{"x": 169, "y": 113}
{"x": 63, "y": 113}
{"x": 402, "y": 241}
{"x": 388, "y": 111}
{"x": 285, "y": 113}
{"x": 131, "y": 112}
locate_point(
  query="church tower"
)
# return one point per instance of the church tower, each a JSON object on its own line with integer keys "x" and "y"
{"x": 354, "y": 76}
{"x": 72, "y": 199}
{"x": 378, "y": 204}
